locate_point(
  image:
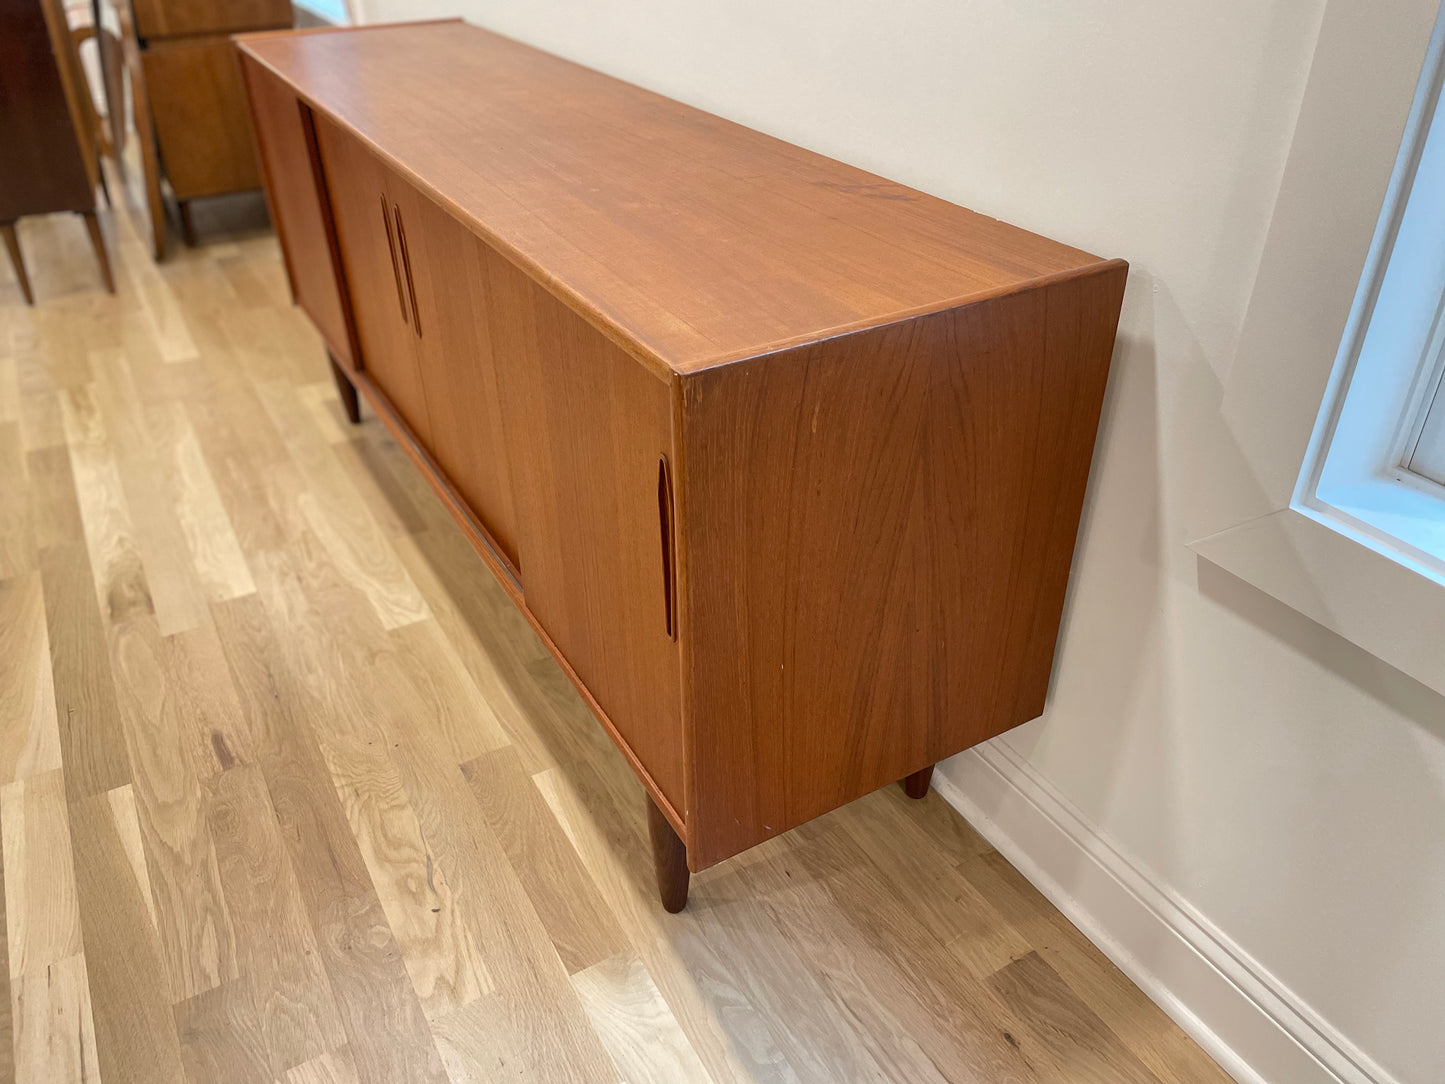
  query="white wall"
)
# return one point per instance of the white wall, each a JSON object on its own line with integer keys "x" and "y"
{"x": 1254, "y": 767}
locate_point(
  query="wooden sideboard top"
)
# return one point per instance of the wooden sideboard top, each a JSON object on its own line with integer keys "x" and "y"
{"x": 689, "y": 239}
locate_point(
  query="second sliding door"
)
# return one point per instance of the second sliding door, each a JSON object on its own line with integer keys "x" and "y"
{"x": 374, "y": 259}
{"x": 458, "y": 370}
{"x": 590, "y": 430}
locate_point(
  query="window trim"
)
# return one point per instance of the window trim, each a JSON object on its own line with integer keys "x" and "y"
{"x": 1354, "y": 151}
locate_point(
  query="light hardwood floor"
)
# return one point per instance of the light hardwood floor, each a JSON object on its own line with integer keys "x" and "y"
{"x": 292, "y": 795}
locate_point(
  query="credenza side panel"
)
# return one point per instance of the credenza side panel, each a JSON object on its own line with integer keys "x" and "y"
{"x": 588, "y": 428}
{"x": 292, "y": 194}
{"x": 877, "y": 535}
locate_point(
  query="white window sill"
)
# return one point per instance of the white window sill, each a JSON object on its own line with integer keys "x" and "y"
{"x": 1345, "y": 574}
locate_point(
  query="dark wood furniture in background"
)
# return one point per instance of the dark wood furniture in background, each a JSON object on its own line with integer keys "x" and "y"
{"x": 189, "y": 106}
{"x": 784, "y": 461}
{"x": 49, "y": 161}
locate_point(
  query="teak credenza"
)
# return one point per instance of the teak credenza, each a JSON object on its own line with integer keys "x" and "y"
{"x": 783, "y": 460}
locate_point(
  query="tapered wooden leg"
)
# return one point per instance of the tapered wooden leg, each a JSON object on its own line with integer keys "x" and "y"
{"x": 916, "y": 785}
{"x": 669, "y": 855}
{"x": 188, "y": 227}
{"x": 17, "y": 260}
{"x": 347, "y": 390}
{"x": 97, "y": 242}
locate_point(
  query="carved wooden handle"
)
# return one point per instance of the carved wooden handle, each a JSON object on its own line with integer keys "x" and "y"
{"x": 391, "y": 248}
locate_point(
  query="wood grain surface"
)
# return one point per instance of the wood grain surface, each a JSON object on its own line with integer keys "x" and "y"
{"x": 284, "y": 147}
{"x": 44, "y": 168}
{"x": 180, "y": 18}
{"x": 877, "y": 532}
{"x": 690, "y": 239}
{"x": 199, "y": 109}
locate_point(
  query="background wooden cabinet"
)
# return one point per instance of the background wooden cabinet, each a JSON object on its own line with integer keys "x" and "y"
{"x": 179, "y": 18}
{"x": 189, "y": 100}
{"x": 199, "y": 110}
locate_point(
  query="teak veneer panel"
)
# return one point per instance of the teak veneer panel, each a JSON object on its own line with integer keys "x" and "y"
{"x": 199, "y": 109}
{"x": 592, "y": 427}
{"x": 179, "y": 18}
{"x": 454, "y": 349}
{"x": 292, "y": 193}
{"x": 361, "y": 198}
{"x": 784, "y": 461}
{"x": 885, "y": 523}
{"x": 691, "y": 239}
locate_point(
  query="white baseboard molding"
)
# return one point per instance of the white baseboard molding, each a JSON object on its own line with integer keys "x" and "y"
{"x": 1256, "y": 1028}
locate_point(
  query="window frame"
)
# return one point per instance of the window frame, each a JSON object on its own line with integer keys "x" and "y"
{"x": 1354, "y": 152}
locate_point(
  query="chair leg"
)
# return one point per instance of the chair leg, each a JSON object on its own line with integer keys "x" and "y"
{"x": 347, "y": 390}
{"x": 97, "y": 242}
{"x": 17, "y": 260}
{"x": 669, "y": 857}
{"x": 916, "y": 785}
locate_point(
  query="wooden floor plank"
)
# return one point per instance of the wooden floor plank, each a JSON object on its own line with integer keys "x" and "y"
{"x": 725, "y": 1031}
{"x": 41, "y": 424}
{"x": 175, "y": 586}
{"x": 451, "y": 714}
{"x": 196, "y": 936}
{"x": 491, "y": 929}
{"x": 488, "y": 1040}
{"x": 277, "y": 957}
{"x": 583, "y": 931}
{"x": 221, "y": 1038}
{"x": 333, "y": 1067}
{"x": 130, "y": 991}
{"x": 9, "y": 385}
{"x": 212, "y": 542}
{"x": 1152, "y": 1036}
{"x": 214, "y": 731}
{"x": 54, "y": 511}
{"x": 54, "y": 1034}
{"x": 92, "y": 738}
{"x": 7, "y": 1020}
{"x": 29, "y": 730}
{"x": 436, "y": 935}
{"x": 339, "y": 518}
{"x": 42, "y": 919}
{"x": 1080, "y": 1045}
{"x": 120, "y": 577}
{"x": 955, "y": 912}
{"x": 17, "y": 537}
{"x": 388, "y": 1035}
{"x": 636, "y": 1025}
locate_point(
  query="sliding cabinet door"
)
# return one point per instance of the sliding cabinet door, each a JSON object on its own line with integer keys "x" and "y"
{"x": 591, "y": 430}
{"x": 295, "y": 203}
{"x": 448, "y": 264}
{"x": 374, "y": 256}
